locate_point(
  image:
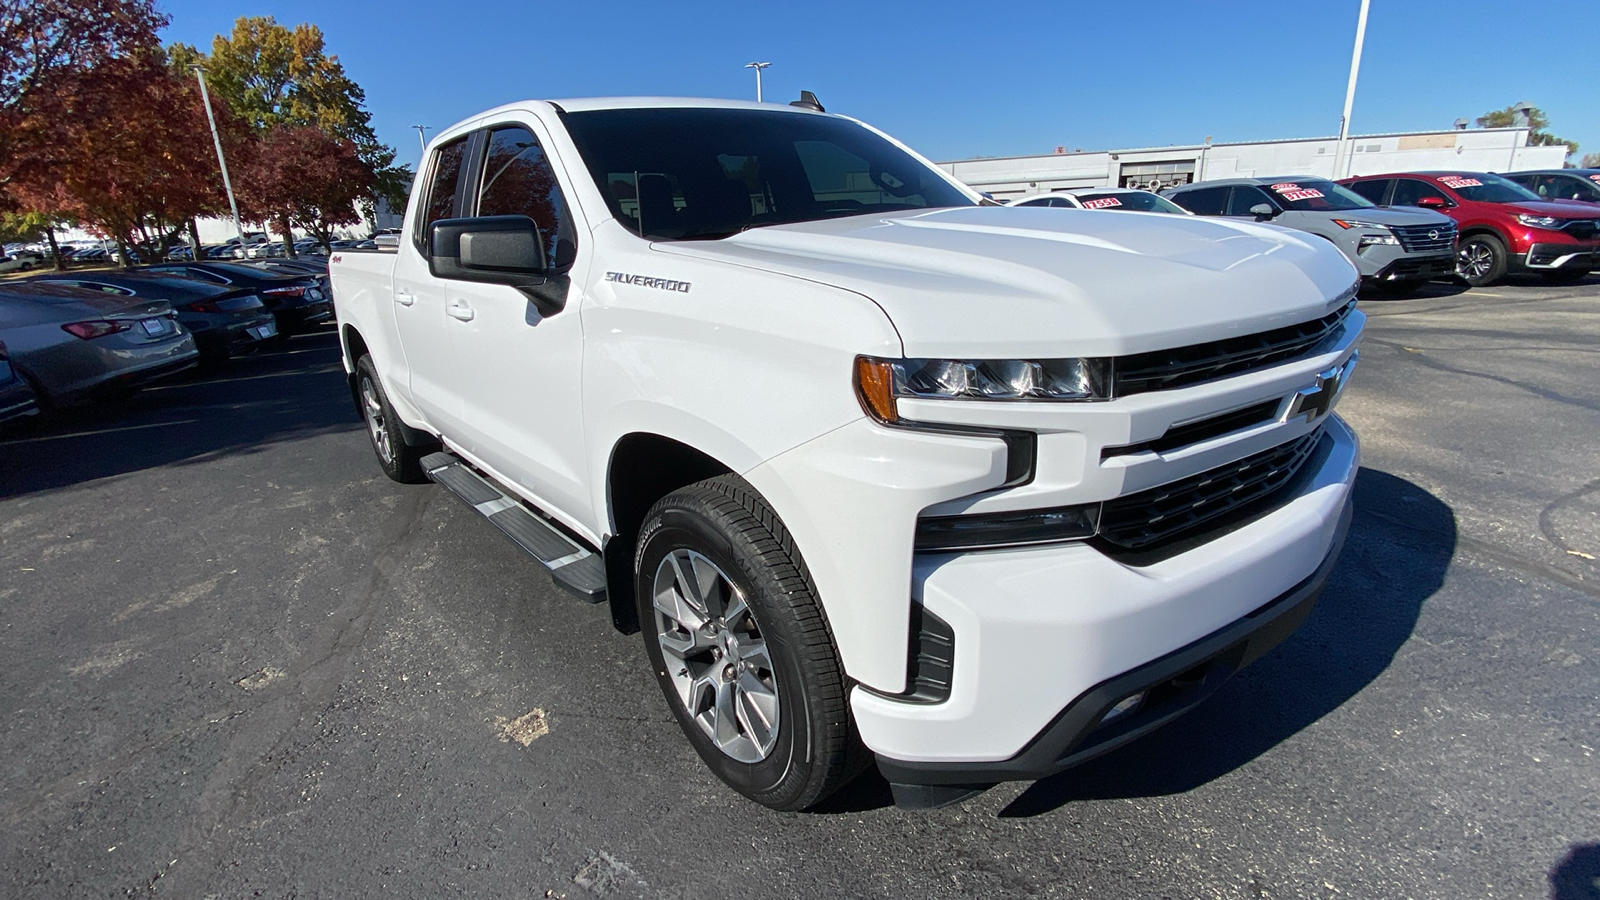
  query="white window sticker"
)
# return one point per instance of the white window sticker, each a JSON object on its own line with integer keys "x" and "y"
{"x": 1102, "y": 203}
{"x": 1307, "y": 194}
{"x": 1455, "y": 183}
{"x": 1282, "y": 186}
{"x": 1594, "y": 177}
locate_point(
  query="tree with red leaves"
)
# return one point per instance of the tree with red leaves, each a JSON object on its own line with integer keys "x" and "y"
{"x": 300, "y": 175}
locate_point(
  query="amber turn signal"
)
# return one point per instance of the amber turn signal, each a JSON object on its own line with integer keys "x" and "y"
{"x": 875, "y": 388}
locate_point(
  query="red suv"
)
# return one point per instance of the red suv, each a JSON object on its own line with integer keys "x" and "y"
{"x": 1504, "y": 226}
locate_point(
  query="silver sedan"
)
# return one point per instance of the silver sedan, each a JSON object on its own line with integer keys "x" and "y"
{"x": 73, "y": 344}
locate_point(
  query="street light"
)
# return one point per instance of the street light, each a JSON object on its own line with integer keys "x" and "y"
{"x": 421, "y": 139}
{"x": 758, "y": 66}
{"x": 1341, "y": 153}
{"x": 227, "y": 185}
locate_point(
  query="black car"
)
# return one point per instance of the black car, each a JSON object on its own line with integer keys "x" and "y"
{"x": 16, "y": 396}
{"x": 296, "y": 300}
{"x": 223, "y": 318}
{"x": 1561, "y": 184}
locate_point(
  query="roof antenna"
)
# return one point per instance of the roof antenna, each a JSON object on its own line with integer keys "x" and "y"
{"x": 808, "y": 100}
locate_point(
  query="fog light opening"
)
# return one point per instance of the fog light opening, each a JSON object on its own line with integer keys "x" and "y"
{"x": 1123, "y": 707}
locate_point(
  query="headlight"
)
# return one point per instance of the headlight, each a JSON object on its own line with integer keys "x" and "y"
{"x": 1370, "y": 240}
{"x": 1009, "y": 529}
{"x": 881, "y": 382}
{"x": 1539, "y": 221}
{"x": 1348, "y": 224}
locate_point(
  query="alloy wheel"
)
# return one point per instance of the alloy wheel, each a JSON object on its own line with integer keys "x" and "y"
{"x": 1474, "y": 260}
{"x": 372, "y": 408}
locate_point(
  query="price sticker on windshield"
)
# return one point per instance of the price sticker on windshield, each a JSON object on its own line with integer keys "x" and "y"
{"x": 1455, "y": 184}
{"x": 1594, "y": 177}
{"x": 1285, "y": 186}
{"x": 1306, "y": 194}
{"x": 1102, "y": 203}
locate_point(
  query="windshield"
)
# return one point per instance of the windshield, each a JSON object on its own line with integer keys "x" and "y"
{"x": 1316, "y": 195}
{"x": 1136, "y": 201}
{"x": 687, "y": 174}
{"x": 1486, "y": 188}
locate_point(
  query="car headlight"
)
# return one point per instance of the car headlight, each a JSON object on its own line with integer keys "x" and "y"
{"x": 882, "y": 382}
{"x": 1348, "y": 224}
{"x": 1539, "y": 221}
{"x": 1372, "y": 240}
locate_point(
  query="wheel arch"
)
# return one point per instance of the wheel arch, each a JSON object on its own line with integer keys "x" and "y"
{"x": 643, "y": 467}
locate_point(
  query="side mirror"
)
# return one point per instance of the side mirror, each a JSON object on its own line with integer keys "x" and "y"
{"x": 1432, "y": 202}
{"x": 1263, "y": 211}
{"x": 505, "y": 250}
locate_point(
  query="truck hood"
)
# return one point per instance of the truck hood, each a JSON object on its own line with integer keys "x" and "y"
{"x": 1019, "y": 282}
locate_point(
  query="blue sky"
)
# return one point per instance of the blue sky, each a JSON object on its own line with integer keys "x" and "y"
{"x": 956, "y": 80}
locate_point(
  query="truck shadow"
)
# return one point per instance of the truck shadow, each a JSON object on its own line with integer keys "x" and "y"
{"x": 1577, "y": 875}
{"x": 1400, "y": 544}
{"x": 282, "y": 393}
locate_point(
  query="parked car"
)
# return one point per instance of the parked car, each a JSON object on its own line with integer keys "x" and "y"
{"x": 17, "y": 262}
{"x": 16, "y": 395}
{"x": 1123, "y": 199}
{"x": 296, "y": 300}
{"x": 223, "y": 318}
{"x": 991, "y": 490}
{"x": 1582, "y": 185}
{"x": 1504, "y": 226}
{"x": 300, "y": 266}
{"x": 1398, "y": 249}
{"x": 73, "y": 344}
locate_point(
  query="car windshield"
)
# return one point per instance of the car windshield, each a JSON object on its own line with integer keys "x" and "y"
{"x": 1315, "y": 195}
{"x": 1481, "y": 187}
{"x": 696, "y": 174}
{"x": 1135, "y": 201}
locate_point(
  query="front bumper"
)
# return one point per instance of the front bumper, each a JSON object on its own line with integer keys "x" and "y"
{"x": 1040, "y": 633}
{"x": 1548, "y": 257}
{"x": 1418, "y": 268}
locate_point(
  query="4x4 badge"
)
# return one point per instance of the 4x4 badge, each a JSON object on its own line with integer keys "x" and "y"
{"x": 1317, "y": 401}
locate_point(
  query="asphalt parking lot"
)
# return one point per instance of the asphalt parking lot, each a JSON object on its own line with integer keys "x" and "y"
{"x": 236, "y": 661}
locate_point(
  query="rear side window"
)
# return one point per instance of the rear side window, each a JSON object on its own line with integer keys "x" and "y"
{"x": 519, "y": 181}
{"x": 442, "y": 181}
{"x": 1245, "y": 196}
{"x": 1202, "y": 201}
{"x": 1408, "y": 191}
{"x": 1372, "y": 190}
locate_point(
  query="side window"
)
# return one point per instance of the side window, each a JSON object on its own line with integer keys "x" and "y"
{"x": 518, "y": 181}
{"x": 1372, "y": 190}
{"x": 1202, "y": 202}
{"x": 1245, "y": 196}
{"x": 1407, "y": 191}
{"x": 442, "y": 180}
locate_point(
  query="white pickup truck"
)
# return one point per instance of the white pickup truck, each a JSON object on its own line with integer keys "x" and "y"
{"x": 873, "y": 464}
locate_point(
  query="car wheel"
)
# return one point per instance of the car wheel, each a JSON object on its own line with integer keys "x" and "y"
{"x": 740, "y": 646}
{"x": 1565, "y": 276}
{"x": 1481, "y": 259}
{"x": 399, "y": 461}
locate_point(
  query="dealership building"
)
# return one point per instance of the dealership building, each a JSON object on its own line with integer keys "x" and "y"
{"x": 1154, "y": 168}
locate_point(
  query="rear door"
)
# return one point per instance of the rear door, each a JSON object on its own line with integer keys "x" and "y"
{"x": 419, "y": 298}
{"x": 518, "y": 371}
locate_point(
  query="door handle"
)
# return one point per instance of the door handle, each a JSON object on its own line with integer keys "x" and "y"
{"x": 458, "y": 309}
{"x": 404, "y": 298}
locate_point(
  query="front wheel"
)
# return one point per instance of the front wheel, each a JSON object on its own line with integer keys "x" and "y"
{"x": 1481, "y": 259}
{"x": 400, "y": 462}
{"x": 740, "y": 646}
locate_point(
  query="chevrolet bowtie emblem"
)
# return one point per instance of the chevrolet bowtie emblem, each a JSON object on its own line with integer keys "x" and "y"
{"x": 1317, "y": 401}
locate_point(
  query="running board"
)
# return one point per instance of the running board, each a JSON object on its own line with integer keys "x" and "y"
{"x": 572, "y": 566}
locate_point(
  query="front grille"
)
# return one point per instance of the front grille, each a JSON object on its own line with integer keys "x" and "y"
{"x": 1167, "y": 512}
{"x": 1161, "y": 370}
{"x": 1583, "y": 229}
{"x": 1421, "y": 238}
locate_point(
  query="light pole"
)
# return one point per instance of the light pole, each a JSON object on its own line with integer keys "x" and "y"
{"x": 758, "y": 66}
{"x": 1341, "y": 154}
{"x": 227, "y": 185}
{"x": 421, "y": 138}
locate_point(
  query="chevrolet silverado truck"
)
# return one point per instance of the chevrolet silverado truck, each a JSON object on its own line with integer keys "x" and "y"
{"x": 884, "y": 473}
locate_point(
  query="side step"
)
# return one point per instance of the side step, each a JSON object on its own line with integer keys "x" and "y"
{"x": 574, "y": 567}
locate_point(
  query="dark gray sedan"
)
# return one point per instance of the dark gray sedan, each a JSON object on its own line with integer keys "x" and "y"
{"x": 72, "y": 344}
{"x": 223, "y": 319}
{"x": 16, "y": 397}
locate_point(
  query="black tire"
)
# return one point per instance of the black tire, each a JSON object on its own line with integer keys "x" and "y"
{"x": 400, "y": 462}
{"x": 1565, "y": 276}
{"x": 814, "y": 749}
{"x": 1481, "y": 259}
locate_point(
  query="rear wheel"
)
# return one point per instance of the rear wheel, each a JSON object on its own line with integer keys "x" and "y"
{"x": 399, "y": 461}
{"x": 740, "y": 647}
{"x": 1481, "y": 259}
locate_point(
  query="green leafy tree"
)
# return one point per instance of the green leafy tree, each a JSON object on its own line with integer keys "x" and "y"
{"x": 1537, "y": 122}
{"x": 272, "y": 75}
{"x": 1591, "y": 161}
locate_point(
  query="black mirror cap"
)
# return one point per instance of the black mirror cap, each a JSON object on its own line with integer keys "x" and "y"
{"x": 505, "y": 250}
